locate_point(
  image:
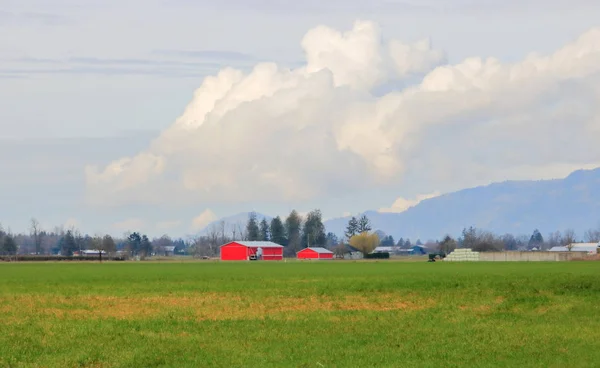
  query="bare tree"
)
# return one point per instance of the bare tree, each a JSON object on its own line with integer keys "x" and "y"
{"x": 108, "y": 245}
{"x": 486, "y": 241}
{"x": 222, "y": 229}
{"x": 592, "y": 235}
{"x": 340, "y": 250}
{"x": 569, "y": 238}
{"x": 447, "y": 245}
{"x": 37, "y": 235}
{"x": 555, "y": 239}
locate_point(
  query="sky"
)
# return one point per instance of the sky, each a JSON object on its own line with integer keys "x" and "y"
{"x": 160, "y": 116}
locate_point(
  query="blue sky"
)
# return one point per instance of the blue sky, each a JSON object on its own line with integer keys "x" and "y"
{"x": 344, "y": 116}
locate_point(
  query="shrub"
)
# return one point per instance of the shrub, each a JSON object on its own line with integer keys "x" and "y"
{"x": 382, "y": 255}
{"x": 32, "y": 258}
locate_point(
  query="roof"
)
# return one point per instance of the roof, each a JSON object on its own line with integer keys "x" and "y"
{"x": 384, "y": 249}
{"x": 92, "y": 251}
{"x": 318, "y": 250}
{"x": 256, "y": 244}
{"x": 350, "y": 248}
{"x": 577, "y": 247}
{"x": 169, "y": 248}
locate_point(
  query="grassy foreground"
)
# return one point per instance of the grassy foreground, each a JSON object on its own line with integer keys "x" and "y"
{"x": 334, "y": 314}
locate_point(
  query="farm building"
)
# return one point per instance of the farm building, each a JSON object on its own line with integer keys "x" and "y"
{"x": 385, "y": 250}
{"x": 578, "y": 247}
{"x": 251, "y": 250}
{"x": 90, "y": 252}
{"x": 315, "y": 253}
{"x": 415, "y": 250}
{"x": 352, "y": 253}
{"x": 168, "y": 250}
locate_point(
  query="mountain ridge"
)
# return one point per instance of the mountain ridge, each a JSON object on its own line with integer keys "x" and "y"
{"x": 511, "y": 206}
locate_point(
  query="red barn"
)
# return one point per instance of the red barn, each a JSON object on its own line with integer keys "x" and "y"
{"x": 251, "y": 250}
{"x": 315, "y": 253}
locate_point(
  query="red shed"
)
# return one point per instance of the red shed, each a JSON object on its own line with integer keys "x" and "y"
{"x": 250, "y": 250}
{"x": 315, "y": 253}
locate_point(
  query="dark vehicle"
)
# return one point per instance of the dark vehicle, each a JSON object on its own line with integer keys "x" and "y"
{"x": 436, "y": 256}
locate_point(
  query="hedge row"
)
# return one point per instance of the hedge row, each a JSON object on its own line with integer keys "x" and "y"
{"x": 382, "y": 255}
{"x": 31, "y": 258}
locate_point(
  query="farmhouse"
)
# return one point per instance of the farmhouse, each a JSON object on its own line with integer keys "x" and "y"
{"x": 315, "y": 253}
{"x": 351, "y": 253}
{"x": 168, "y": 250}
{"x": 251, "y": 250}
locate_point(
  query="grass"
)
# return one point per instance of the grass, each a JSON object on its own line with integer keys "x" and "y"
{"x": 299, "y": 314}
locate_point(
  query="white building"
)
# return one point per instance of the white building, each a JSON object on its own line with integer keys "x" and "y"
{"x": 578, "y": 247}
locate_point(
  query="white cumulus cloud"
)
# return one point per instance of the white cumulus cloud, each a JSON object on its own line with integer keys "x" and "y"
{"x": 201, "y": 221}
{"x": 293, "y": 135}
{"x": 402, "y": 204}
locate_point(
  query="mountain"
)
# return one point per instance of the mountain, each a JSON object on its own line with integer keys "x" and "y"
{"x": 235, "y": 223}
{"x": 516, "y": 207}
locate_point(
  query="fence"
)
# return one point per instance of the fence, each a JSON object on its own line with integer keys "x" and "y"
{"x": 530, "y": 256}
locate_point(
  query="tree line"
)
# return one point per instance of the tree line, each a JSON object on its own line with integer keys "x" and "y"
{"x": 293, "y": 232}
{"x": 71, "y": 241}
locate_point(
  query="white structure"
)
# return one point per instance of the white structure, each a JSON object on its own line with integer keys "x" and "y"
{"x": 462, "y": 255}
{"x": 92, "y": 252}
{"x": 590, "y": 248}
{"x": 385, "y": 250}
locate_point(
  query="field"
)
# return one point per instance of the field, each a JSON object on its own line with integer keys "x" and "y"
{"x": 331, "y": 314}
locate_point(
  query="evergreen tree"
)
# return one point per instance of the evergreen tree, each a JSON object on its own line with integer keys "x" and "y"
{"x": 145, "y": 246}
{"x": 387, "y": 241}
{"x": 400, "y": 243}
{"x": 536, "y": 240}
{"x": 407, "y": 243}
{"x": 69, "y": 245}
{"x": 252, "y": 229}
{"x": 264, "y": 230}
{"x": 418, "y": 242}
{"x": 293, "y": 227}
{"x": 134, "y": 243}
{"x": 352, "y": 228}
{"x": 313, "y": 233}
{"x": 2, "y": 235}
{"x": 9, "y": 245}
{"x": 278, "y": 231}
{"x": 469, "y": 238}
{"x": 364, "y": 225}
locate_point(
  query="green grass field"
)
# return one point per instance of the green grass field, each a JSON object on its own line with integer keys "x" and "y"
{"x": 331, "y": 314}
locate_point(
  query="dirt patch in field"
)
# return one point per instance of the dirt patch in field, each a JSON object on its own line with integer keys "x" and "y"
{"x": 206, "y": 306}
{"x": 482, "y": 308}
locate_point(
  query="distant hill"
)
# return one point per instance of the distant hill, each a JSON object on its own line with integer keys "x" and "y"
{"x": 232, "y": 223}
{"x": 516, "y": 207}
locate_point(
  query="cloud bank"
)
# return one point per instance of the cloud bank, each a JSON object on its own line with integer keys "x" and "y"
{"x": 293, "y": 135}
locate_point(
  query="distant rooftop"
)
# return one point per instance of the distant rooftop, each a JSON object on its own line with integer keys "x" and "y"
{"x": 577, "y": 247}
{"x": 319, "y": 250}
